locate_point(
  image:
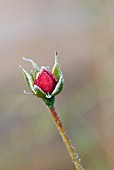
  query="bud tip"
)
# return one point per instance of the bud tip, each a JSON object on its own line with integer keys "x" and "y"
{"x": 55, "y": 53}
{"x": 20, "y": 67}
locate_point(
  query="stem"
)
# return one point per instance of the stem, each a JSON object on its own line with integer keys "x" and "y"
{"x": 66, "y": 140}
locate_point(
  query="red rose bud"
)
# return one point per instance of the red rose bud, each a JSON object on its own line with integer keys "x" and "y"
{"x": 46, "y": 81}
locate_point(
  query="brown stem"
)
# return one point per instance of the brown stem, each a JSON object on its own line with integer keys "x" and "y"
{"x": 66, "y": 140}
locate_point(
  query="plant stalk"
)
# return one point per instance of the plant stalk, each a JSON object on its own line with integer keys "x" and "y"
{"x": 66, "y": 140}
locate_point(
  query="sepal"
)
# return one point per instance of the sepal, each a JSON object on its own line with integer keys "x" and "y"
{"x": 34, "y": 65}
{"x": 32, "y": 75}
{"x": 59, "y": 86}
{"x": 28, "y": 79}
{"x": 39, "y": 92}
{"x": 56, "y": 68}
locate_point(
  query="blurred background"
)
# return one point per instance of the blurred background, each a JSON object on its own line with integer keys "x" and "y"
{"x": 83, "y": 34}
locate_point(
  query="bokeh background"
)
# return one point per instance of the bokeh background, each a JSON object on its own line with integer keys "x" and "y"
{"x": 83, "y": 34}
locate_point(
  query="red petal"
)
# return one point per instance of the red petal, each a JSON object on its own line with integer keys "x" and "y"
{"x": 46, "y": 81}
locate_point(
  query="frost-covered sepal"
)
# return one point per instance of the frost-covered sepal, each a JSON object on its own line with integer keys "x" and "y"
{"x": 32, "y": 75}
{"x": 39, "y": 92}
{"x": 28, "y": 79}
{"x": 56, "y": 68}
{"x": 34, "y": 65}
{"x": 59, "y": 86}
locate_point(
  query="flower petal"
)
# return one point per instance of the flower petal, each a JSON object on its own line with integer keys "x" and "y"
{"x": 28, "y": 79}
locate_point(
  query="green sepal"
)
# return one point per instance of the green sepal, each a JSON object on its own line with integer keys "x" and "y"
{"x": 49, "y": 101}
{"x": 34, "y": 65}
{"x": 59, "y": 86}
{"x": 32, "y": 76}
{"x": 39, "y": 92}
{"x": 28, "y": 79}
{"x": 56, "y": 69}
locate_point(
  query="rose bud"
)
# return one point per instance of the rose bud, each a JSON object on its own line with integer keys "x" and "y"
{"x": 46, "y": 81}
{"x": 42, "y": 82}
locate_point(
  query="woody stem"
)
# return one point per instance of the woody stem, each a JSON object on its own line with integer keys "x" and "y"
{"x": 66, "y": 140}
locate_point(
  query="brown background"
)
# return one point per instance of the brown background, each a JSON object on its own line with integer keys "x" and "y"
{"x": 83, "y": 34}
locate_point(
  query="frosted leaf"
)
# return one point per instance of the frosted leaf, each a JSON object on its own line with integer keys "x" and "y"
{"x": 59, "y": 86}
{"x": 28, "y": 79}
{"x": 34, "y": 65}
